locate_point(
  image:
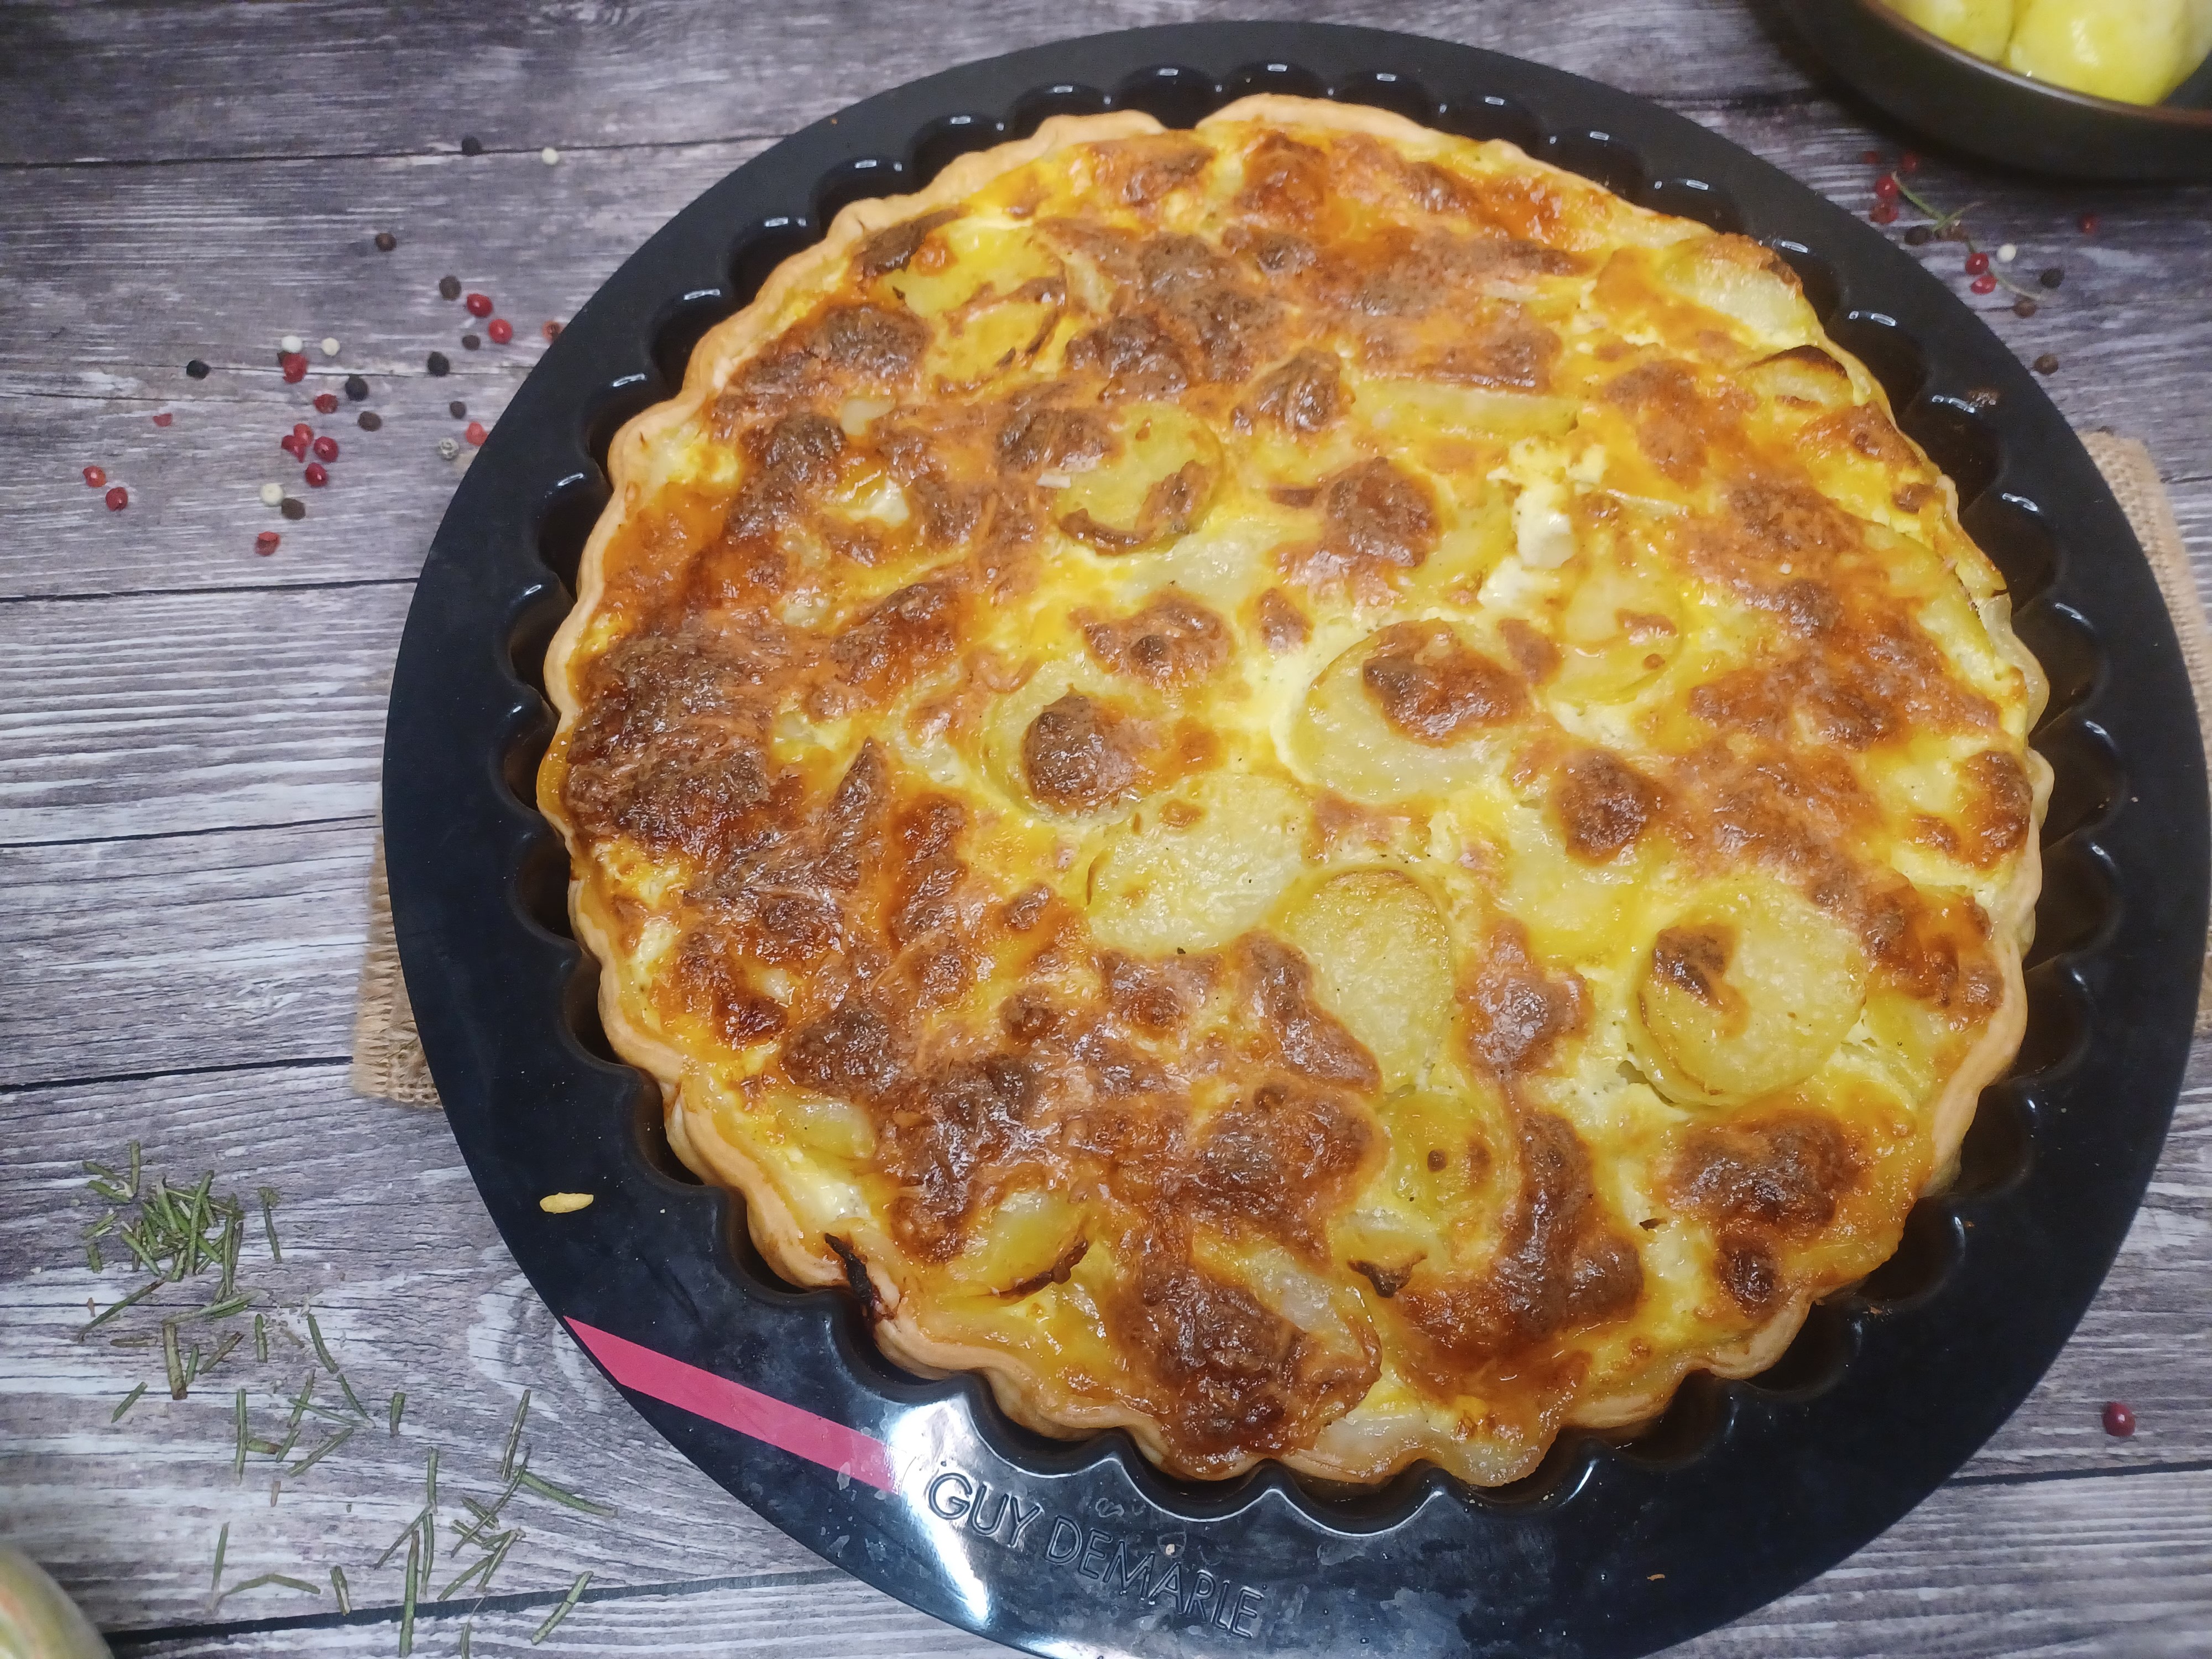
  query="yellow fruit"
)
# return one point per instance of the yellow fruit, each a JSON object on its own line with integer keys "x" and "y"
{"x": 2135, "y": 51}
{"x": 1981, "y": 26}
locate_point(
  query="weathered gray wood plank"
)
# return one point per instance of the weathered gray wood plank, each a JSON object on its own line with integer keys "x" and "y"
{"x": 120, "y": 84}
{"x": 2101, "y": 1567}
{"x": 136, "y": 957}
{"x": 162, "y": 712}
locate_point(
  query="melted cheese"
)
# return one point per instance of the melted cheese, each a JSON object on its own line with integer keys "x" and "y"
{"x": 1304, "y": 786}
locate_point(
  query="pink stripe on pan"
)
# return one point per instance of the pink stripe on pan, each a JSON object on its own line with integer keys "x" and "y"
{"x": 833, "y": 1446}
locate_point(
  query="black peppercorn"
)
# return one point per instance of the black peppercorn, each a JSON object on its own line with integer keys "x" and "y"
{"x": 355, "y": 387}
{"x": 2047, "y": 364}
{"x": 470, "y": 342}
{"x": 293, "y": 507}
{"x": 471, "y": 144}
{"x": 370, "y": 420}
{"x": 2025, "y": 307}
{"x": 386, "y": 242}
{"x": 1919, "y": 236}
{"x": 438, "y": 364}
{"x": 449, "y": 288}
{"x": 2052, "y": 278}
{"x": 458, "y": 409}
{"x": 196, "y": 369}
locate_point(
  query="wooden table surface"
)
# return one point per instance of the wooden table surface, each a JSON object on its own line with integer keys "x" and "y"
{"x": 189, "y": 746}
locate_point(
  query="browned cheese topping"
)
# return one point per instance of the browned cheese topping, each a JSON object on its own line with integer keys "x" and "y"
{"x": 1319, "y": 791}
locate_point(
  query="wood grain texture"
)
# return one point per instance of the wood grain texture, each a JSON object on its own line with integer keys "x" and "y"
{"x": 176, "y": 953}
{"x": 360, "y": 77}
{"x": 191, "y": 735}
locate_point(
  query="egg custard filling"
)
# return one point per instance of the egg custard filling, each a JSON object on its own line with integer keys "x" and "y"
{"x": 1303, "y": 786}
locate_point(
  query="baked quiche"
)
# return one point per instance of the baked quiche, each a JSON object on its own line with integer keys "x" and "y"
{"x": 1301, "y": 786}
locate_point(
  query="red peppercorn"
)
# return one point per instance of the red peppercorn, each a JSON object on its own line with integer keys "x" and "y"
{"x": 1977, "y": 263}
{"x": 296, "y": 369}
{"x": 326, "y": 403}
{"x": 317, "y": 475}
{"x": 2090, "y": 222}
{"x": 293, "y": 445}
{"x": 552, "y": 331}
{"x": 475, "y": 433}
{"x": 2119, "y": 1421}
{"x": 95, "y": 477}
{"x": 117, "y": 499}
{"x": 1984, "y": 284}
{"x": 1883, "y": 212}
{"x": 479, "y": 305}
{"x": 1872, "y": 157}
{"x": 163, "y": 418}
{"x": 266, "y": 543}
{"x": 326, "y": 449}
{"x": 1886, "y": 187}
{"x": 303, "y": 431}
{"x": 1908, "y": 162}
{"x": 501, "y": 330}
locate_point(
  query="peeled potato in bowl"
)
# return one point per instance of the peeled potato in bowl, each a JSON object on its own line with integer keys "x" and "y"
{"x": 2135, "y": 51}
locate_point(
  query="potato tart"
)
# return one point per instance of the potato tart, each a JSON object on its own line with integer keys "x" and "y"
{"x": 1302, "y": 787}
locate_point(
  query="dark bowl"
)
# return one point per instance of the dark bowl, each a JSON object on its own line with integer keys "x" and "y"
{"x": 1988, "y": 111}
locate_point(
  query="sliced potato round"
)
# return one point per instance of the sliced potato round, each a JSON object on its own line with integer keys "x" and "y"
{"x": 1030, "y": 1238}
{"x": 1151, "y": 489}
{"x": 1746, "y": 993}
{"x": 1382, "y": 965}
{"x": 1194, "y": 869}
{"x": 1450, "y": 698}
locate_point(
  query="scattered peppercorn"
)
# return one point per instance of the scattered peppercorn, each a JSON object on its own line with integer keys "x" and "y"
{"x": 163, "y": 418}
{"x": 2047, "y": 364}
{"x": 1872, "y": 157}
{"x": 296, "y": 369}
{"x": 447, "y": 449}
{"x": 471, "y": 342}
{"x": 471, "y": 144}
{"x": 1908, "y": 162}
{"x": 458, "y": 409}
{"x": 501, "y": 330}
{"x": 2090, "y": 222}
{"x": 326, "y": 403}
{"x": 2053, "y": 277}
{"x": 552, "y": 331}
{"x": 1977, "y": 263}
{"x": 293, "y": 445}
{"x": 116, "y": 499}
{"x": 196, "y": 369}
{"x": 475, "y": 433}
{"x": 1886, "y": 187}
{"x": 1919, "y": 236}
{"x": 449, "y": 288}
{"x": 479, "y": 305}
{"x": 266, "y": 543}
{"x": 2119, "y": 1421}
{"x": 293, "y": 507}
{"x": 370, "y": 420}
{"x": 355, "y": 387}
{"x": 386, "y": 242}
{"x": 1883, "y": 212}
{"x": 326, "y": 448}
{"x": 272, "y": 495}
{"x": 289, "y": 345}
{"x": 330, "y": 347}
{"x": 317, "y": 475}
{"x": 437, "y": 363}
{"x": 1983, "y": 285}
{"x": 2024, "y": 307}
{"x": 95, "y": 477}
